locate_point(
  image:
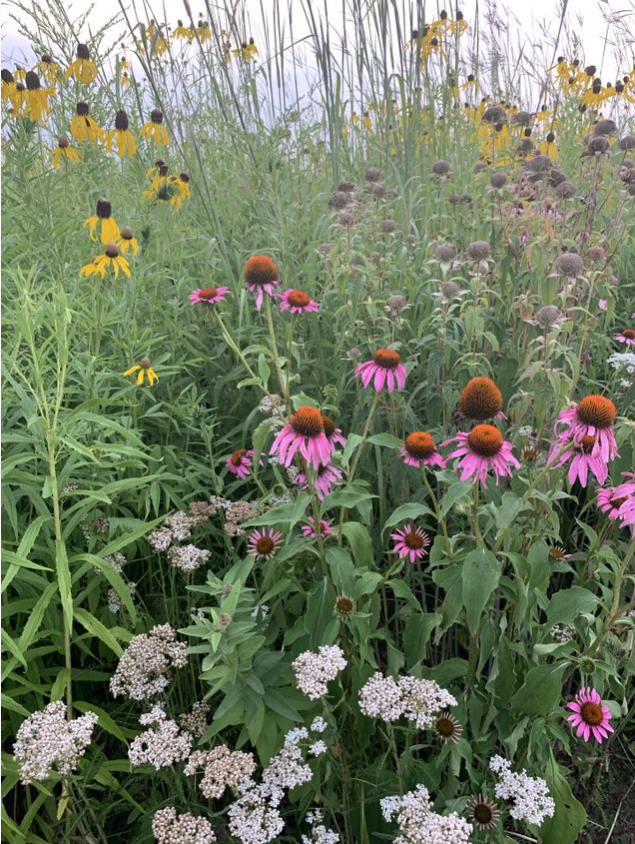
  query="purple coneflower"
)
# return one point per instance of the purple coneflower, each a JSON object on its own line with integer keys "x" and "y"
{"x": 332, "y": 433}
{"x": 208, "y": 295}
{"x": 261, "y": 276}
{"x": 297, "y": 301}
{"x": 384, "y": 369}
{"x": 411, "y": 543}
{"x": 592, "y": 417}
{"x": 264, "y": 543}
{"x": 583, "y": 461}
{"x": 326, "y": 476}
{"x": 304, "y": 432}
{"x": 483, "y": 812}
{"x": 590, "y": 717}
{"x": 626, "y": 336}
{"x": 419, "y": 449}
{"x": 311, "y": 533}
{"x": 239, "y": 463}
{"x": 618, "y": 502}
{"x": 481, "y": 448}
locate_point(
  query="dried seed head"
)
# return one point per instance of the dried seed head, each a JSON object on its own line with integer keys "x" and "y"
{"x": 569, "y": 264}
{"x": 378, "y": 190}
{"x": 339, "y": 199}
{"x": 627, "y": 142}
{"x": 450, "y": 290}
{"x": 445, "y": 252}
{"x": 539, "y": 164}
{"x": 346, "y": 187}
{"x": 522, "y": 118}
{"x": 346, "y": 219}
{"x": 388, "y": 226}
{"x": 566, "y": 190}
{"x": 480, "y": 166}
{"x": 596, "y": 253}
{"x": 441, "y": 168}
{"x": 605, "y": 127}
{"x": 497, "y": 180}
{"x": 373, "y": 174}
{"x": 479, "y": 250}
{"x": 494, "y": 114}
{"x": 598, "y": 145}
{"x": 556, "y": 178}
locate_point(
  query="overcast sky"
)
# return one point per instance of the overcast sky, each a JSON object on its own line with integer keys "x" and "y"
{"x": 598, "y": 23}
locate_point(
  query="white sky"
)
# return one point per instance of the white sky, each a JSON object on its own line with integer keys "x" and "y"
{"x": 596, "y": 22}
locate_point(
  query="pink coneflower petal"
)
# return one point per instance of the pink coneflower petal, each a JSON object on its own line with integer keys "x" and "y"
{"x": 297, "y": 301}
{"x": 481, "y": 449}
{"x": 263, "y": 544}
{"x": 208, "y": 295}
{"x": 385, "y": 370}
{"x": 627, "y": 336}
{"x": 310, "y": 531}
{"x": 410, "y": 543}
{"x": 591, "y": 717}
{"x": 239, "y": 463}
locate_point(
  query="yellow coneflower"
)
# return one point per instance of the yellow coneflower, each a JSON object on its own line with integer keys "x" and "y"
{"x": 247, "y": 51}
{"x": 128, "y": 241}
{"x": 183, "y": 191}
{"x": 181, "y": 31}
{"x": 37, "y": 98}
{"x": 154, "y": 130}
{"x": 144, "y": 369}
{"x": 19, "y": 74}
{"x": 65, "y": 151}
{"x": 19, "y": 100}
{"x": 110, "y": 260}
{"x": 458, "y": 26}
{"x": 203, "y": 31}
{"x": 83, "y": 127}
{"x": 8, "y": 85}
{"x": 549, "y": 146}
{"x": 82, "y": 68}
{"x": 159, "y": 44}
{"x": 109, "y": 230}
{"x": 48, "y": 68}
{"x": 126, "y": 144}
{"x": 159, "y": 181}
{"x": 368, "y": 123}
{"x": 471, "y": 84}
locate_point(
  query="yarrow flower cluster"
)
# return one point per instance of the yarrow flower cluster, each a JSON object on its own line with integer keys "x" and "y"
{"x": 161, "y": 745}
{"x": 47, "y": 740}
{"x": 195, "y": 721}
{"x": 418, "y": 700}
{"x": 314, "y": 670}
{"x": 148, "y": 663}
{"x": 222, "y": 768}
{"x": 255, "y": 817}
{"x": 418, "y": 824}
{"x": 188, "y": 558}
{"x": 168, "y": 827}
{"x": 529, "y": 795}
{"x": 319, "y": 833}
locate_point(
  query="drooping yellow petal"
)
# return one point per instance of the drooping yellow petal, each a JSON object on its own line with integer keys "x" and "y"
{"x": 140, "y": 377}
{"x": 132, "y": 369}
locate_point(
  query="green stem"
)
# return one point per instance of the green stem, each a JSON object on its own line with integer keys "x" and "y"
{"x": 284, "y": 387}
{"x": 435, "y": 503}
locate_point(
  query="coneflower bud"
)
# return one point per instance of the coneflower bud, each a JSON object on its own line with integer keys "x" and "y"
{"x": 156, "y": 115}
{"x": 126, "y": 233}
{"x": 63, "y": 142}
{"x": 83, "y": 52}
{"x": 32, "y": 81}
{"x": 7, "y": 76}
{"x": 112, "y": 250}
{"x": 121, "y": 120}
{"x": 344, "y": 605}
{"x": 82, "y": 109}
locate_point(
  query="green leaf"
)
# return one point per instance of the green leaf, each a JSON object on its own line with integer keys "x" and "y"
{"x": 567, "y": 603}
{"x": 348, "y": 498}
{"x": 569, "y": 817}
{"x": 278, "y": 703}
{"x": 64, "y": 581}
{"x": 131, "y": 536}
{"x": 385, "y": 440}
{"x": 407, "y": 512}
{"x": 454, "y": 494}
{"x": 360, "y": 543}
{"x": 542, "y": 690}
{"x": 320, "y": 608}
{"x": 105, "y": 720}
{"x": 511, "y": 505}
{"x": 481, "y": 573}
{"x": 96, "y": 628}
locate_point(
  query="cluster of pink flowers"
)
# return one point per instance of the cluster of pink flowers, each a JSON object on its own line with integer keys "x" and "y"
{"x": 585, "y": 433}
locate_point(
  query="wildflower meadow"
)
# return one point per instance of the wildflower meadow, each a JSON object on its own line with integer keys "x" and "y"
{"x": 319, "y": 425}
